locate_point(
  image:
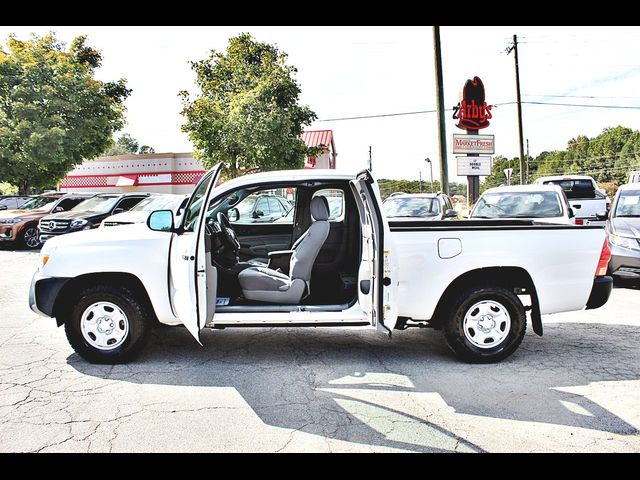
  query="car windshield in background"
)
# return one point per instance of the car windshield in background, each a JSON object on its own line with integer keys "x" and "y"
{"x": 39, "y": 203}
{"x": 97, "y": 204}
{"x": 245, "y": 207}
{"x": 518, "y": 205}
{"x": 410, "y": 207}
{"x": 576, "y": 188}
{"x": 160, "y": 202}
{"x": 628, "y": 204}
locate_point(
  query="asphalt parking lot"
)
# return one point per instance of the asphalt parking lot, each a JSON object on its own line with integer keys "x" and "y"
{"x": 278, "y": 390}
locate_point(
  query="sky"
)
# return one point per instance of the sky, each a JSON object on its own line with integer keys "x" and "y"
{"x": 358, "y": 71}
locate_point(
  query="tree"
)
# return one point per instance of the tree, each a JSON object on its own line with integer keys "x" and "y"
{"x": 247, "y": 113}
{"x": 387, "y": 187}
{"x": 53, "y": 112}
{"x": 126, "y": 144}
{"x": 8, "y": 189}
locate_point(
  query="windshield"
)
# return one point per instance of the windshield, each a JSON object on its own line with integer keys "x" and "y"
{"x": 160, "y": 202}
{"x": 245, "y": 207}
{"x": 628, "y": 204}
{"x": 518, "y": 205}
{"x": 97, "y": 204}
{"x": 410, "y": 207}
{"x": 39, "y": 203}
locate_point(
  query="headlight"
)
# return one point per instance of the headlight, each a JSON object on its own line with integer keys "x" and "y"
{"x": 624, "y": 242}
{"x": 78, "y": 223}
{"x": 11, "y": 221}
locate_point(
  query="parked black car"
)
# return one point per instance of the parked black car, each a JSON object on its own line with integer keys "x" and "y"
{"x": 88, "y": 214}
{"x": 13, "y": 202}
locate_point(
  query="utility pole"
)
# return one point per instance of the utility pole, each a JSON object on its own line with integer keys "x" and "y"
{"x": 420, "y": 181}
{"x": 370, "y": 164}
{"x": 527, "y": 160}
{"x": 514, "y": 47}
{"x": 442, "y": 134}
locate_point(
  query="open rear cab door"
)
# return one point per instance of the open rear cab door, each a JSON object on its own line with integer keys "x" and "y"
{"x": 378, "y": 272}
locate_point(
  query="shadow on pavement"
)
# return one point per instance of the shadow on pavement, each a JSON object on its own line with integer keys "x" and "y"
{"x": 282, "y": 374}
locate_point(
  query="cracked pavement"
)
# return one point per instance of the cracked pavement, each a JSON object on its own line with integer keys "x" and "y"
{"x": 294, "y": 390}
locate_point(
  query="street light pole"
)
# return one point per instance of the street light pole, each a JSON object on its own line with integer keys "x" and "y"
{"x": 420, "y": 181}
{"x": 428, "y": 160}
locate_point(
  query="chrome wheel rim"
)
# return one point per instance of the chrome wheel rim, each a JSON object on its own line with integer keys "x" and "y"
{"x": 31, "y": 237}
{"x": 486, "y": 324}
{"x": 104, "y": 325}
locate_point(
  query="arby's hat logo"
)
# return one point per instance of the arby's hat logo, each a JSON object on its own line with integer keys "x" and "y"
{"x": 472, "y": 112}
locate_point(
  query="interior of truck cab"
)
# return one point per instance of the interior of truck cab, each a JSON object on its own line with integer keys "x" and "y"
{"x": 283, "y": 245}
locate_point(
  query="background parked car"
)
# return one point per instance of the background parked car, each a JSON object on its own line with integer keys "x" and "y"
{"x": 21, "y": 226}
{"x": 12, "y": 202}
{"x": 623, "y": 230}
{"x": 590, "y": 203}
{"x": 418, "y": 206}
{"x": 543, "y": 203}
{"x": 260, "y": 209}
{"x": 141, "y": 211}
{"x": 88, "y": 214}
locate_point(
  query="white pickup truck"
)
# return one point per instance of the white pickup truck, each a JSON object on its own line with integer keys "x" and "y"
{"x": 590, "y": 203}
{"x": 342, "y": 267}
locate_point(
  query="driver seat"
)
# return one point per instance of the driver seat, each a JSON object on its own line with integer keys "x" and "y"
{"x": 267, "y": 285}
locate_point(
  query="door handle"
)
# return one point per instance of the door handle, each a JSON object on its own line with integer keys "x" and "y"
{"x": 187, "y": 257}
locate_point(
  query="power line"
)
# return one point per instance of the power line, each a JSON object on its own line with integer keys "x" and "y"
{"x": 626, "y": 107}
{"x": 573, "y": 96}
{"x": 396, "y": 114}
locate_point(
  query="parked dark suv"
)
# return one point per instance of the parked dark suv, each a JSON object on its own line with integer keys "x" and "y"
{"x": 88, "y": 214}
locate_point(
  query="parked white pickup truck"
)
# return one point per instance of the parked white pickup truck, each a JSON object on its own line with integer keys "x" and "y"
{"x": 589, "y": 202}
{"x": 348, "y": 267}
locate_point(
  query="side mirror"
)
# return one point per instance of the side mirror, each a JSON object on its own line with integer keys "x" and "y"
{"x": 3, "y": 207}
{"x": 571, "y": 213}
{"x": 450, "y": 213}
{"x": 601, "y": 215}
{"x": 258, "y": 213}
{"x": 161, "y": 221}
{"x": 233, "y": 214}
{"x": 58, "y": 209}
{"x": 118, "y": 210}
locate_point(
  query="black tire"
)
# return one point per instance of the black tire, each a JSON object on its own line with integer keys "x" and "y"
{"x": 454, "y": 332}
{"x": 26, "y": 237}
{"x": 138, "y": 316}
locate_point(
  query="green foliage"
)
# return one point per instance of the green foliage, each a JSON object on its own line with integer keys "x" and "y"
{"x": 8, "y": 189}
{"x": 387, "y": 187}
{"x": 53, "y": 112}
{"x": 125, "y": 145}
{"x": 247, "y": 113}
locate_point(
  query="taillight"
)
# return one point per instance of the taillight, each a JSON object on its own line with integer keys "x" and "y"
{"x": 605, "y": 256}
{"x": 579, "y": 221}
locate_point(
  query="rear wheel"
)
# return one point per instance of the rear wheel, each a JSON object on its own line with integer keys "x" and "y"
{"x": 107, "y": 324}
{"x": 485, "y": 324}
{"x": 29, "y": 237}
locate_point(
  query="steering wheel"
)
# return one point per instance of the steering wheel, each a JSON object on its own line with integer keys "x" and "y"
{"x": 229, "y": 237}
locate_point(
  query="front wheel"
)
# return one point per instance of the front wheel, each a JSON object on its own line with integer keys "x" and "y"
{"x": 107, "y": 324}
{"x": 485, "y": 324}
{"x": 30, "y": 237}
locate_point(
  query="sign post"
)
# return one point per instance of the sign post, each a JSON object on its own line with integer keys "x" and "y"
{"x": 473, "y": 114}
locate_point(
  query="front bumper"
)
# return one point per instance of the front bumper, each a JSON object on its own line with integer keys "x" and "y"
{"x": 600, "y": 292}
{"x": 8, "y": 233}
{"x": 43, "y": 293}
{"x": 624, "y": 263}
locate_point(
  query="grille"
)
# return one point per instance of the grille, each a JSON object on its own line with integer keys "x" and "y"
{"x": 54, "y": 225}
{"x": 115, "y": 224}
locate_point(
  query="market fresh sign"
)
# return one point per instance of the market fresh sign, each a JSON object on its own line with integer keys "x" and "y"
{"x": 473, "y": 144}
{"x": 474, "y": 166}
